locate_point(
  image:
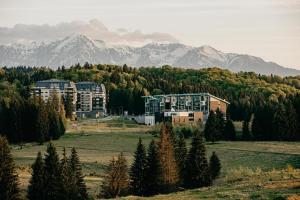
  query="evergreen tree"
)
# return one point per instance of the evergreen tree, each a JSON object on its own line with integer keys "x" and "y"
{"x": 55, "y": 117}
{"x": 138, "y": 170}
{"x": 54, "y": 100}
{"x": 197, "y": 169}
{"x": 229, "y": 130}
{"x": 180, "y": 155}
{"x": 169, "y": 170}
{"x": 74, "y": 164}
{"x": 36, "y": 183}
{"x": 13, "y": 121}
{"x": 211, "y": 129}
{"x": 9, "y": 189}
{"x": 214, "y": 165}
{"x": 68, "y": 107}
{"x": 62, "y": 126}
{"x": 220, "y": 124}
{"x": 42, "y": 124}
{"x": 171, "y": 132}
{"x": 116, "y": 179}
{"x": 53, "y": 178}
{"x": 153, "y": 170}
{"x": 262, "y": 123}
{"x": 246, "y": 133}
{"x": 280, "y": 122}
{"x": 293, "y": 124}
{"x": 62, "y": 114}
{"x": 68, "y": 179}
{"x": 54, "y": 123}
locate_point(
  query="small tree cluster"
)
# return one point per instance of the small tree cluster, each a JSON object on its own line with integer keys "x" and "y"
{"x": 53, "y": 178}
{"x": 32, "y": 119}
{"x": 216, "y": 127}
{"x": 163, "y": 168}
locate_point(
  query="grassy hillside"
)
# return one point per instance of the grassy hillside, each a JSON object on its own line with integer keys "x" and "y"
{"x": 243, "y": 163}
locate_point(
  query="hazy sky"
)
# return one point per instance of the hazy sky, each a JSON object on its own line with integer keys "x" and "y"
{"x": 266, "y": 28}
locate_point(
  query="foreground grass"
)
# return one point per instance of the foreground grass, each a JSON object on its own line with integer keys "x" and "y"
{"x": 244, "y": 183}
{"x": 97, "y": 141}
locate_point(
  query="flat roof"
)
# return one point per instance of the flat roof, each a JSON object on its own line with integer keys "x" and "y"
{"x": 185, "y": 94}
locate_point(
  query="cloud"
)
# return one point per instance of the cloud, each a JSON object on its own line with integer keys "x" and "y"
{"x": 94, "y": 29}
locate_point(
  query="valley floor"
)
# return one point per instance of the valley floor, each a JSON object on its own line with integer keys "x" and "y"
{"x": 250, "y": 170}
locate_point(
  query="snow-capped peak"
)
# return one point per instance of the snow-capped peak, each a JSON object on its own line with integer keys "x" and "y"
{"x": 78, "y": 48}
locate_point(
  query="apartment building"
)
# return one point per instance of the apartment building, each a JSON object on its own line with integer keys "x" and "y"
{"x": 91, "y": 100}
{"x": 182, "y": 108}
{"x": 88, "y": 98}
{"x": 62, "y": 88}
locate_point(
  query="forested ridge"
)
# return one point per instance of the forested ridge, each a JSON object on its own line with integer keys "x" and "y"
{"x": 266, "y": 103}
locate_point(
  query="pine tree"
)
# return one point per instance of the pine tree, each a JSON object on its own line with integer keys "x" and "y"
{"x": 62, "y": 114}
{"x": 68, "y": 180}
{"x": 9, "y": 186}
{"x": 229, "y": 130}
{"x": 180, "y": 155}
{"x": 68, "y": 107}
{"x": 74, "y": 164}
{"x": 54, "y": 101}
{"x": 245, "y": 130}
{"x": 54, "y": 123}
{"x": 210, "y": 130}
{"x": 169, "y": 170}
{"x": 171, "y": 132}
{"x": 138, "y": 170}
{"x": 36, "y": 183}
{"x": 220, "y": 124}
{"x": 293, "y": 125}
{"x": 214, "y": 165}
{"x": 42, "y": 123}
{"x": 153, "y": 170}
{"x": 53, "y": 177}
{"x": 197, "y": 169}
{"x": 116, "y": 180}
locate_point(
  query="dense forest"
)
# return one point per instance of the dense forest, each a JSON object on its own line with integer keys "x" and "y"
{"x": 269, "y": 106}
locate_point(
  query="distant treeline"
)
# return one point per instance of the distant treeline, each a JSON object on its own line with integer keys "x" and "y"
{"x": 269, "y": 106}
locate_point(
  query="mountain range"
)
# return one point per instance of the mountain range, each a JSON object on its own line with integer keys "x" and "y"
{"x": 80, "y": 49}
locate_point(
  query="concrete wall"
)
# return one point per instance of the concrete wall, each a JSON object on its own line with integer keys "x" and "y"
{"x": 150, "y": 120}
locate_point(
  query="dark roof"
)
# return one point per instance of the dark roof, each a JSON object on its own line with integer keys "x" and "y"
{"x": 53, "y": 83}
{"x": 86, "y": 85}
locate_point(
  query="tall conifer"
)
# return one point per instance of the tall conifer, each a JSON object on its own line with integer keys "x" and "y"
{"x": 36, "y": 183}
{"x": 138, "y": 170}
{"x": 42, "y": 124}
{"x": 9, "y": 189}
{"x": 76, "y": 170}
{"x": 180, "y": 155}
{"x": 210, "y": 130}
{"x": 53, "y": 177}
{"x": 68, "y": 180}
{"x": 153, "y": 170}
{"x": 229, "y": 130}
{"x": 169, "y": 169}
{"x": 197, "y": 169}
{"x": 214, "y": 165}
